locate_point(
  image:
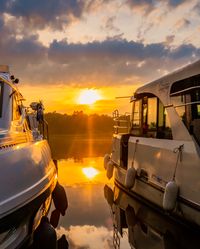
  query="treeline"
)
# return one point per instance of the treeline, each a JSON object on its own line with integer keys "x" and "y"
{"x": 78, "y": 123}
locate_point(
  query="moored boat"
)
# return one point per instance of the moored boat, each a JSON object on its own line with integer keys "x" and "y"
{"x": 157, "y": 155}
{"x": 28, "y": 174}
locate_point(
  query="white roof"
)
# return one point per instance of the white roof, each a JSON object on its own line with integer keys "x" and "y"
{"x": 161, "y": 87}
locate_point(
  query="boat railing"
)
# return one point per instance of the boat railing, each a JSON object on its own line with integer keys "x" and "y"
{"x": 121, "y": 122}
{"x": 45, "y": 129}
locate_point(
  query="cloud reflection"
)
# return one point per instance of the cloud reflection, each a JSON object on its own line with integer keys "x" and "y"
{"x": 90, "y": 237}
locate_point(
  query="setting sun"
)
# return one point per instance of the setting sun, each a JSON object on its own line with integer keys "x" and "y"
{"x": 90, "y": 172}
{"x": 88, "y": 97}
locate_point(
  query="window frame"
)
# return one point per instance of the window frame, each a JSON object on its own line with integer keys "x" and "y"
{"x": 144, "y": 129}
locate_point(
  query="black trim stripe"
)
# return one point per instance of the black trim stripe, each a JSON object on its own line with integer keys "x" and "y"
{"x": 161, "y": 189}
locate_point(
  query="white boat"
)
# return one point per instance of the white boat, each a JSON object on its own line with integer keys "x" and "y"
{"x": 156, "y": 155}
{"x": 27, "y": 172}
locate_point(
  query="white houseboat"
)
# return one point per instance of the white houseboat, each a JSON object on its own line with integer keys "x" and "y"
{"x": 27, "y": 172}
{"x": 157, "y": 155}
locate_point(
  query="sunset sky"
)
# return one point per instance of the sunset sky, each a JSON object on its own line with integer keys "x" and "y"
{"x": 61, "y": 48}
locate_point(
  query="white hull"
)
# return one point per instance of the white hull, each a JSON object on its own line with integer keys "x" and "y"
{"x": 33, "y": 171}
{"x": 155, "y": 164}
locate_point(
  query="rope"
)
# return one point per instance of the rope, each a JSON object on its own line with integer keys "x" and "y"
{"x": 179, "y": 157}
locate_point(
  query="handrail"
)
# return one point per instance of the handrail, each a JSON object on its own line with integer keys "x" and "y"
{"x": 122, "y": 122}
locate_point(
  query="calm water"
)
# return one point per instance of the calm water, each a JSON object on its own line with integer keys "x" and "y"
{"x": 100, "y": 215}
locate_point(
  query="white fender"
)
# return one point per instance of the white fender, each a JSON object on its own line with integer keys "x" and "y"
{"x": 109, "y": 195}
{"x": 106, "y": 160}
{"x": 130, "y": 178}
{"x": 110, "y": 167}
{"x": 131, "y": 218}
{"x": 170, "y": 196}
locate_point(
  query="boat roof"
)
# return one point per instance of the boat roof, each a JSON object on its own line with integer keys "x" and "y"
{"x": 5, "y": 77}
{"x": 164, "y": 83}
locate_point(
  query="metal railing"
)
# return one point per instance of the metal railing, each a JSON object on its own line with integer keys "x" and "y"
{"x": 121, "y": 122}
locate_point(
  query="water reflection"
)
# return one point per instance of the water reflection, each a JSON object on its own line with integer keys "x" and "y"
{"x": 144, "y": 227}
{"x": 79, "y": 146}
{"x": 100, "y": 216}
{"x": 90, "y": 172}
{"x": 88, "y": 221}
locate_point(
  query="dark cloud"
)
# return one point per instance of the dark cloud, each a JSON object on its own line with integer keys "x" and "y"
{"x": 145, "y": 5}
{"x": 109, "y": 62}
{"x": 40, "y": 14}
{"x": 63, "y": 52}
{"x": 197, "y": 8}
{"x": 22, "y": 52}
{"x": 175, "y": 3}
{"x": 184, "y": 51}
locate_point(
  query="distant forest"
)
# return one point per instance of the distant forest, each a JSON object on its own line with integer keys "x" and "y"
{"x": 78, "y": 123}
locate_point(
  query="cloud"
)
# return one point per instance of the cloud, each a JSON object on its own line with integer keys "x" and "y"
{"x": 109, "y": 24}
{"x": 197, "y": 8}
{"x": 145, "y": 6}
{"x": 182, "y": 23}
{"x": 88, "y": 237}
{"x": 106, "y": 63}
{"x": 40, "y": 14}
{"x": 117, "y": 60}
{"x": 175, "y": 3}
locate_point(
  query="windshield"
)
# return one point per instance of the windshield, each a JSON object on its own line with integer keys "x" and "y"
{"x": 185, "y": 96}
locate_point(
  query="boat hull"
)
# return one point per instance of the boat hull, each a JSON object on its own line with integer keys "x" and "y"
{"x": 27, "y": 171}
{"x": 27, "y": 181}
{"x": 155, "y": 165}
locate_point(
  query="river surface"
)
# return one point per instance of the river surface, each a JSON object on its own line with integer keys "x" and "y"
{"x": 93, "y": 220}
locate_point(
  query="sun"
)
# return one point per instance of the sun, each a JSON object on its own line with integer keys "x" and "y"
{"x": 88, "y": 97}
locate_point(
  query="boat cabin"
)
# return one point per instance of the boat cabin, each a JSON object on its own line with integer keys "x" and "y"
{"x": 10, "y": 103}
{"x": 169, "y": 108}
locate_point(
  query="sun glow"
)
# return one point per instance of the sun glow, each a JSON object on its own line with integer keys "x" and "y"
{"x": 88, "y": 97}
{"x": 90, "y": 172}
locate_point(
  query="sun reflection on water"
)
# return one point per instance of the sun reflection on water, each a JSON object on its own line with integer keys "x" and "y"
{"x": 90, "y": 172}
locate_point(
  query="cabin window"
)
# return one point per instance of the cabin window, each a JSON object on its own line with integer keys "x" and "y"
{"x": 1, "y": 98}
{"x": 150, "y": 118}
{"x": 152, "y": 113}
{"x": 136, "y": 124}
{"x": 185, "y": 96}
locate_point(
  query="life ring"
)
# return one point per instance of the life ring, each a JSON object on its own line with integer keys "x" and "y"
{"x": 110, "y": 168}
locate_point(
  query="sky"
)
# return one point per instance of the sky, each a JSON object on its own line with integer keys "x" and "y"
{"x": 61, "y": 48}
